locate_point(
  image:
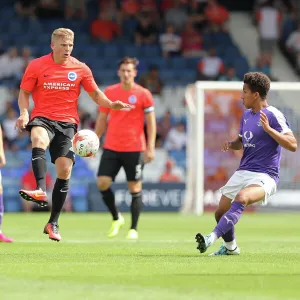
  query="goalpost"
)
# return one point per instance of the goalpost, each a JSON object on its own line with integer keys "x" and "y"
{"x": 283, "y": 95}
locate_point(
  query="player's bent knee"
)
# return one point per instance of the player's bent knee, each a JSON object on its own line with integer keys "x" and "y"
{"x": 242, "y": 198}
{"x": 103, "y": 183}
{"x": 135, "y": 187}
{"x": 39, "y": 141}
{"x": 63, "y": 167}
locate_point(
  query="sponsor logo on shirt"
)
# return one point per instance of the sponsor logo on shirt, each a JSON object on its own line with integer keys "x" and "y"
{"x": 248, "y": 135}
{"x": 259, "y": 124}
{"x": 132, "y": 99}
{"x": 72, "y": 76}
{"x": 58, "y": 86}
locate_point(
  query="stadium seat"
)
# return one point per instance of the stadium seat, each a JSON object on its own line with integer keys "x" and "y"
{"x": 111, "y": 50}
{"x": 150, "y": 51}
{"x": 12, "y": 204}
{"x": 79, "y": 204}
{"x": 178, "y": 63}
{"x": 131, "y": 50}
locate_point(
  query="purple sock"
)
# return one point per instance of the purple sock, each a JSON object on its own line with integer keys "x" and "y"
{"x": 1, "y": 209}
{"x": 229, "y": 219}
{"x": 229, "y": 235}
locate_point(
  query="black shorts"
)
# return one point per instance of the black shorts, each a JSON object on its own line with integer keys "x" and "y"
{"x": 60, "y": 135}
{"x": 112, "y": 161}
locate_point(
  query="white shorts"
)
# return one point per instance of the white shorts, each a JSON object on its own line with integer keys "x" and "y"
{"x": 241, "y": 179}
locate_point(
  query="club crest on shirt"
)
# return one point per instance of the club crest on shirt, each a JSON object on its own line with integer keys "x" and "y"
{"x": 132, "y": 99}
{"x": 72, "y": 76}
{"x": 248, "y": 135}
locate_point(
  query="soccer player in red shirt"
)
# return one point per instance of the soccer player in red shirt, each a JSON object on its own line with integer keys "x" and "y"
{"x": 54, "y": 80}
{"x": 125, "y": 143}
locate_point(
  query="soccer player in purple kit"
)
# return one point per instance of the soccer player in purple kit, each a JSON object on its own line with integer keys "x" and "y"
{"x": 264, "y": 130}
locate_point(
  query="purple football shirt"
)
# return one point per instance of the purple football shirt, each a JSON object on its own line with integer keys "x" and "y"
{"x": 262, "y": 153}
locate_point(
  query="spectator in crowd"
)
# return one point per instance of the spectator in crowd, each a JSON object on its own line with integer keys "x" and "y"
{"x": 26, "y": 57}
{"x": 218, "y": 178}
{"x": 230, "y": 75}
{"x": 21, "y": 142}
{"x": 191, "y": 42}
{"x": 168, "y": 175}
{"x": 269, "y": 26}
{"x": 293, "y": 44}
{"x": 164, "y": 125}
{"x": 103, "y": 28}
{"x": 146, "y": 32}
{"x": 26, "y": 8}
{"x": 75, "y": 9}
{"x": 196, "y": 11}
{"x": 151, "y": 81}
{"x": 130, "y": 9}
{"x": 176, "y": 138}
{"x": 47, "y": 9}
{"x": 176, "y": 16}
{"x": 210, "y": 67}
{"x": 166, "y": 5}
{"x": 8, "y": 125}
{"x": 11, "y": 65}
{"x": 170, "y": 42}
{"x": 263, "y": 65}
{"x": 216, "y": 14}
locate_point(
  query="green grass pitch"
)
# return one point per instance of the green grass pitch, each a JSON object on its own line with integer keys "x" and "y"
{"x": 163, "y": 264}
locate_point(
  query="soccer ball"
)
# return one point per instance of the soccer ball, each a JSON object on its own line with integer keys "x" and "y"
{"x": 85, "y": 143}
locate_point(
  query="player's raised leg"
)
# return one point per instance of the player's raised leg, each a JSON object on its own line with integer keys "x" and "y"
{"x": 247, "y": 196}
{"x": 61, "y": 187}
{"x": 229, "y": 247}
{"x": 40, "y": 141}
{"x": 108, "y": 196}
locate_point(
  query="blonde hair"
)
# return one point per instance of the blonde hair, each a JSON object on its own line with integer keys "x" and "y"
{"x": 62, "y": 33}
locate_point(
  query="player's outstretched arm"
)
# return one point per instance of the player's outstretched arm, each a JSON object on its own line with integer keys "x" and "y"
{"x": 234, "y": 145}
{"x": 100, "y": 98}
{"x": 101, "y": 123}
{"x": 151, "y": 136}
{"x": 23, "y": 102}
{"x": 285, "y": 140}
{"x": 2, "y": 154}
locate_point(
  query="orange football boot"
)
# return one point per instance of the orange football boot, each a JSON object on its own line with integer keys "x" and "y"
{"x": 52, "y": 230}
{"x": 37, "y": 196}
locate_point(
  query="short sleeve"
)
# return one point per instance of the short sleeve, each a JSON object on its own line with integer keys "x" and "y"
{"x": 105, "y": 110}
{"x": 30, "y": 76}
{"x": 241, "y": 128}
{"x": 148, "y": 102}
{"x": 88, "y": 81}
{"x": 279, "y": 122}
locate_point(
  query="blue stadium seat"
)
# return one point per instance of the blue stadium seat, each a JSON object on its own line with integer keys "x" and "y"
{"x": 12, "y": 204}
{"x": 241, "y": 65}
{"x": 178, "y": 63}
{"x": 80, "y": 204}
{"x": 150, "y": 50}
{"x": 111, "y": 50}
{"x": 131, "y": 50}
{"x": 78, "y": 191}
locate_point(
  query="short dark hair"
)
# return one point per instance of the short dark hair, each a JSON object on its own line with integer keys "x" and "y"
{"x": 258, "y": 82}
{"x": 128, "y": 60}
